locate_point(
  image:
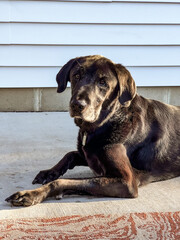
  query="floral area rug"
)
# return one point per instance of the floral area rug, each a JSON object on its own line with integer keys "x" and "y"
{"x": 165, "y": 226}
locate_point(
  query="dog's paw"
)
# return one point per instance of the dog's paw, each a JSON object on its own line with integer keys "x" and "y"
{"x": 25, "y": 198}
{"x": 46, "y": 176}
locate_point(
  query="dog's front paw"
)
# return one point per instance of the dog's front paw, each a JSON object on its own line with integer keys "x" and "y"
{"x": 46, "y": 176}
{"x": 25, "y": 198}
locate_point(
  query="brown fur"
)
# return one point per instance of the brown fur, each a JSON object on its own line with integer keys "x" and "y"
{"x": 127, "y": 140}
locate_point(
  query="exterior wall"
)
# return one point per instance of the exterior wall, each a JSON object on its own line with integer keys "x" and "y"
{"x": 38, "y": 37}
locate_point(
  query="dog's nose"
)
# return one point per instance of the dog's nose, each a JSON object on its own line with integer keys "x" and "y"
{"x": 78, "y": 105}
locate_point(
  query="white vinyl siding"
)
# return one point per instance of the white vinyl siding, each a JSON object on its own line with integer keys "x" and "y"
{"x": 39, "y": 37}
{"x": 108, "y": 12}
{"x": 89, "y": 34}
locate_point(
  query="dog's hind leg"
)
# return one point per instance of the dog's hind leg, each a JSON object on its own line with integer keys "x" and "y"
{"x": 100, "y": 186}
{"x": 144, "y": 178}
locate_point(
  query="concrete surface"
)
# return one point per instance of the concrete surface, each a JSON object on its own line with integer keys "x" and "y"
{"x": 47, "y": 99}
{"x": 30, "y": 142}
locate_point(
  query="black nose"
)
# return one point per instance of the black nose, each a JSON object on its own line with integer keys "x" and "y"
{"x": 78, "y": 105}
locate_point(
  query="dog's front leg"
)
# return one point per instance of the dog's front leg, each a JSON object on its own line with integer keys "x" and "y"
{"x": 100, "y": 186}
{"x": 69, "y": 161}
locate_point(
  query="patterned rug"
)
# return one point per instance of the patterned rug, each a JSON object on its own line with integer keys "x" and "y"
{"x": 165, "y": 226}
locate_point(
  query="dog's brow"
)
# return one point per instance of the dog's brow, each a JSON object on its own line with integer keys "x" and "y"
{"x": 78, "y": 63}
{"x": 81, "y": 67}
{"x": 102, "y": 75}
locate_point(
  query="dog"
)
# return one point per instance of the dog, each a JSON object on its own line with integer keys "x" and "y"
{"x": 126, "y": 140}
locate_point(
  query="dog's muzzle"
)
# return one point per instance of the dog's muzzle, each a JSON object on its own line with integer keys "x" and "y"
{"x": 77, "y": 106}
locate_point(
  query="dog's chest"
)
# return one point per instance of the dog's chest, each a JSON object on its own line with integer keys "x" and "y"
{"x": 94, "y": 162}
{"x": 90, "y": 149}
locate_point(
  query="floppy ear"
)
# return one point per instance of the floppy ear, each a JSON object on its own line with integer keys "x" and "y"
{"x": 127, "y": 86}
{"x": 63, "y": 75}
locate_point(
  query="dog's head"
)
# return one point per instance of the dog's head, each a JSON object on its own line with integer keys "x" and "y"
{"x": 97, "y": 84}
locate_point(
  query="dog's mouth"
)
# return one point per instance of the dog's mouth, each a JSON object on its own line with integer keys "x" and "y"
{"x": 87, "y": 115}
{"x": 75, "y": 115}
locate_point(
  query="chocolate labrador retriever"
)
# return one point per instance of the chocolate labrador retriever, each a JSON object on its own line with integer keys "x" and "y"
{"x": 127, "y": 140}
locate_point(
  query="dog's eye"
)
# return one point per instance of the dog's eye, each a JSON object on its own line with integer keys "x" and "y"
{"x": 77, "y": 76}
{"x": 102, "y": 82}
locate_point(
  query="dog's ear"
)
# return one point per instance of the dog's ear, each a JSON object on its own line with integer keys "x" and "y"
{"x": 63, "y": 75}
{"x": 127, "y": 86}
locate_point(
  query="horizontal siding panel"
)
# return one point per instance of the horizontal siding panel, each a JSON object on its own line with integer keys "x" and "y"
{"x": 90, "y": 34}
{"x": 156, "y": 76}
{"x": 136, "y": 1}
{"x": 110, "y": 1}
{"x": 15, "y": 77}
{"x": 147, "y": 1}
{"x": 89, "y": 12}
{"x": 4, "y": 33}
{"x": 4, "y": 11}
{"x": 25, "y": 55}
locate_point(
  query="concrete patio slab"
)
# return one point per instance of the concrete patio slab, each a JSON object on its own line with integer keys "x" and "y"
{"x": 30, "y": 142}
